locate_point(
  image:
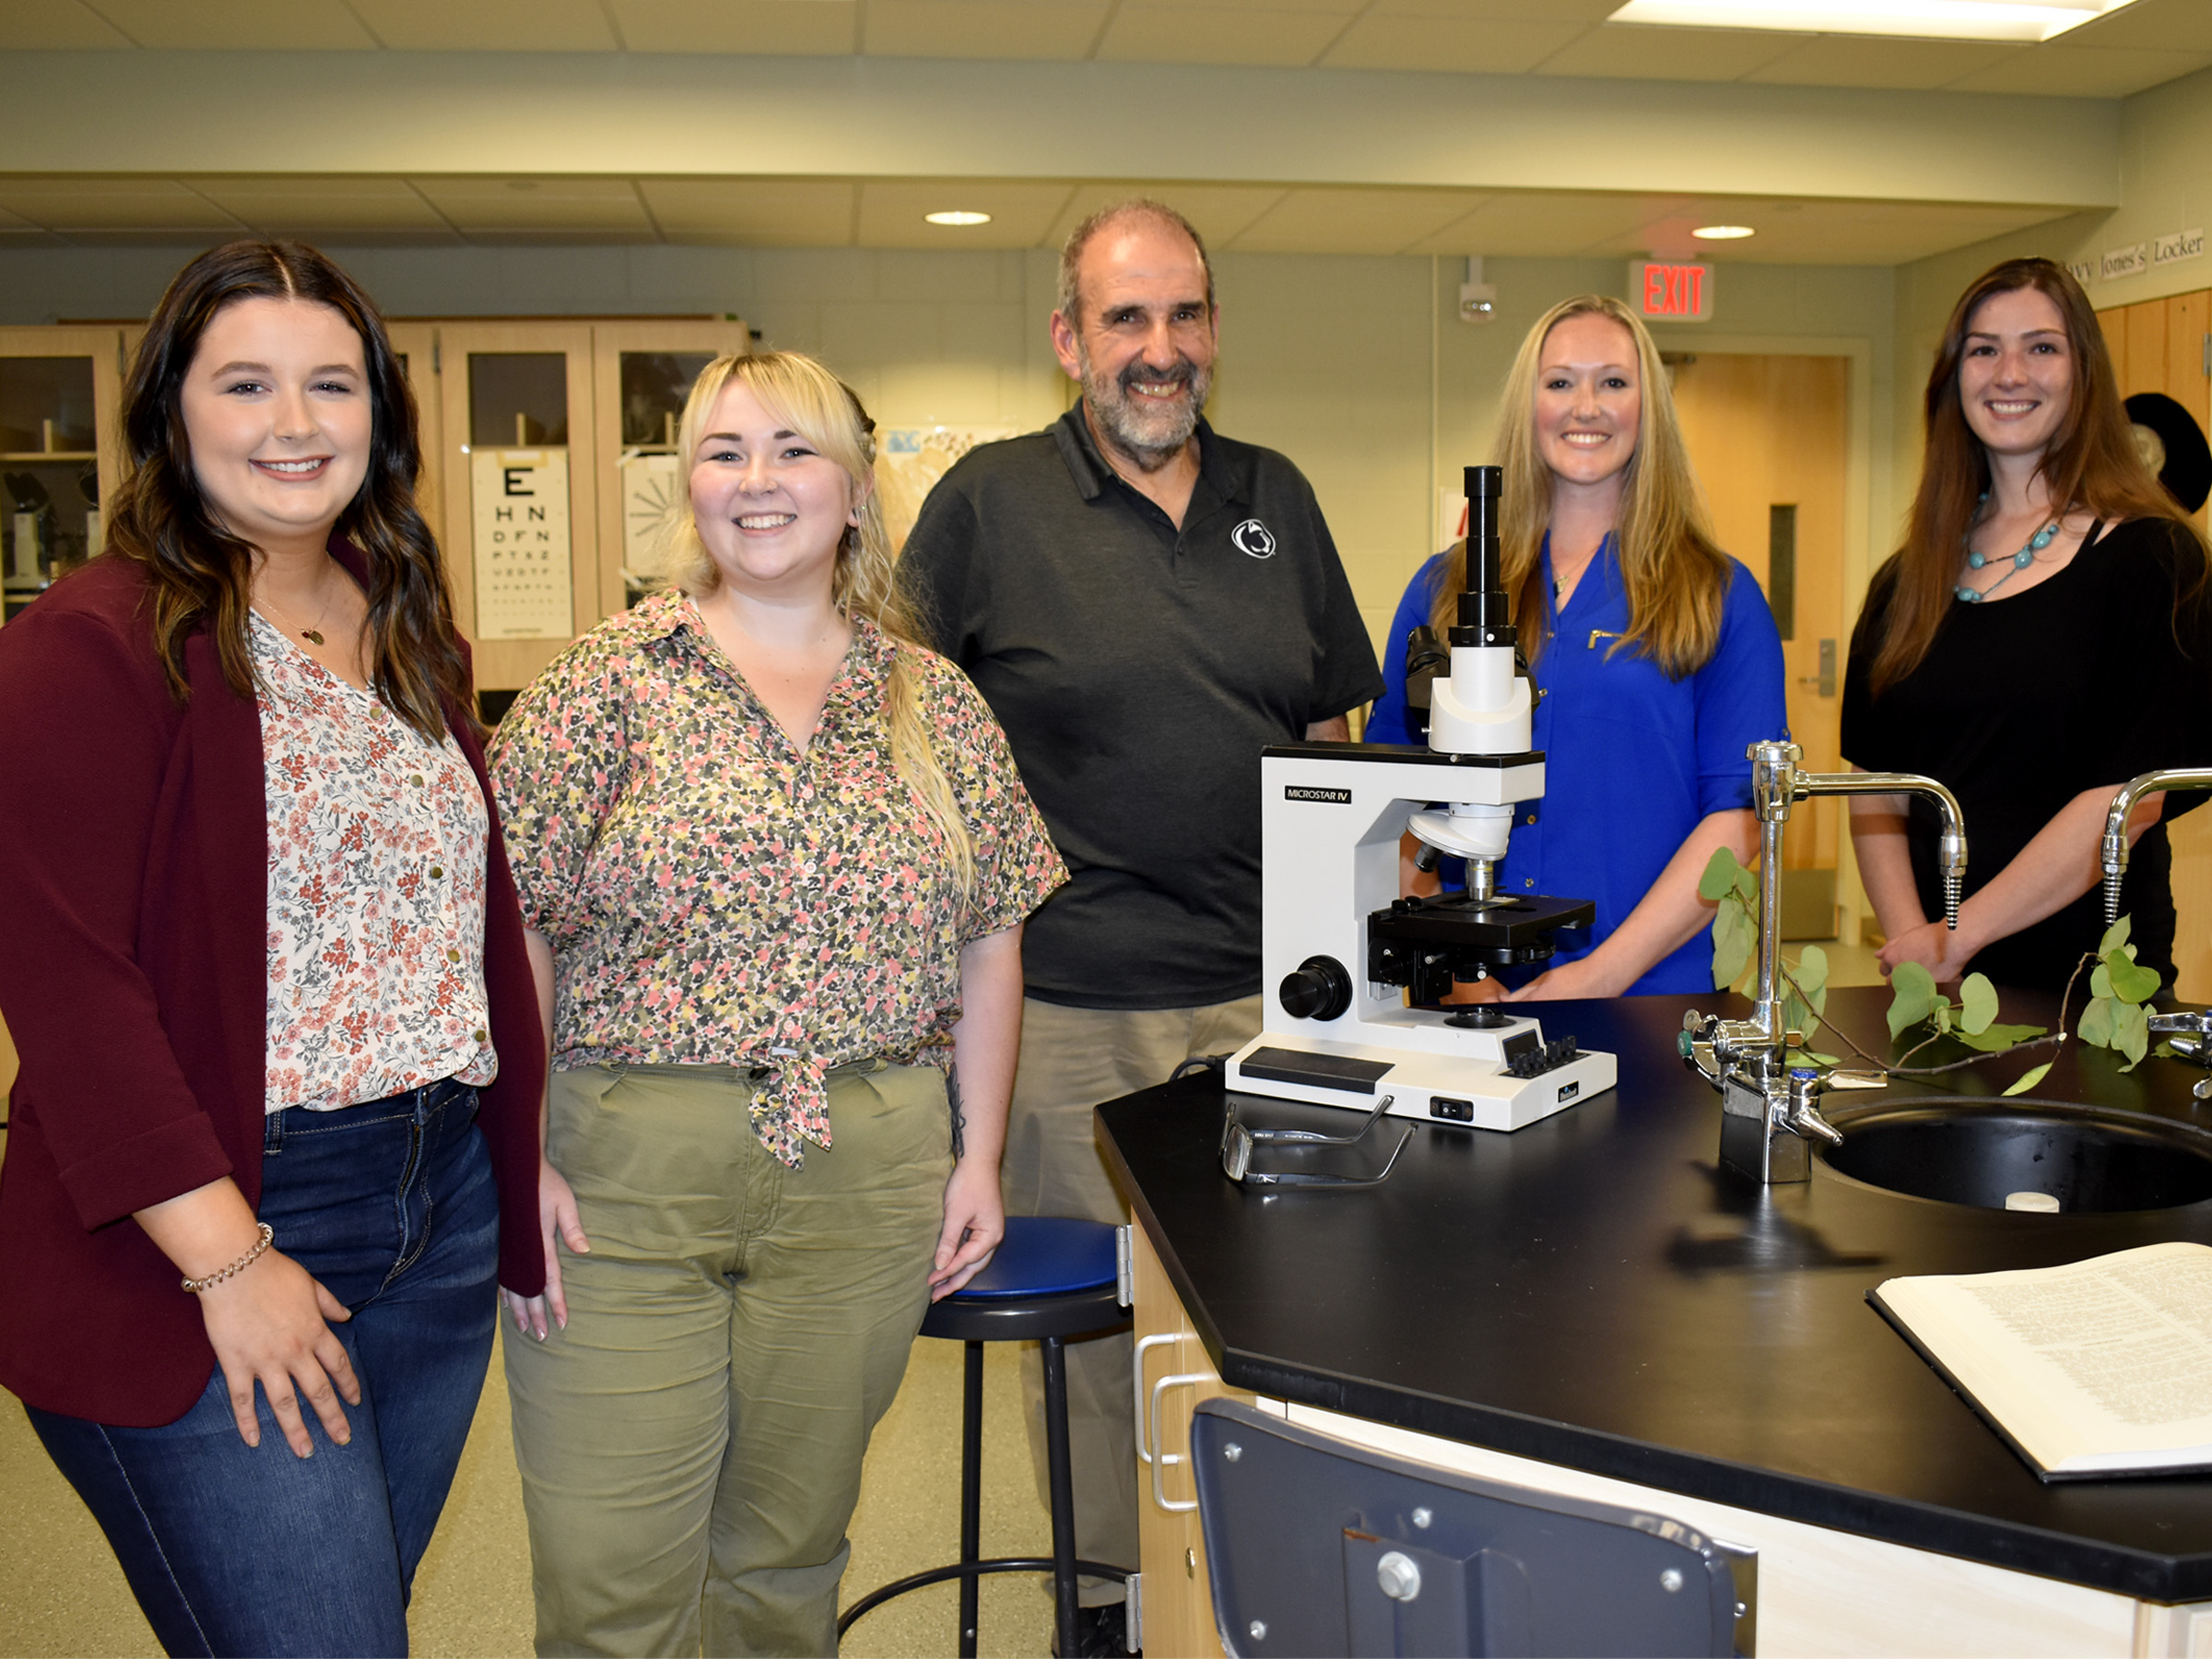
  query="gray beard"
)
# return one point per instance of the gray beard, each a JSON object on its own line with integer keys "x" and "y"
{"x": 1150, "y": 437}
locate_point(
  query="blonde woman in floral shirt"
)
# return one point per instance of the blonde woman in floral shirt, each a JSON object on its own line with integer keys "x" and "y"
{"x": 774, "y": 857}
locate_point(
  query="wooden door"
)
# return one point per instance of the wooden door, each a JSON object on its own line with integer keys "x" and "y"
{"x": 2166, "y": 345}
{"x": 60, "y": 459}
{"x": 641, "y": 373}
{"x": 417, "y": 346}
{"x": 1178, "y": 1616}
{"x": 1769, "y": 437}
{"x": 520, "y": 496}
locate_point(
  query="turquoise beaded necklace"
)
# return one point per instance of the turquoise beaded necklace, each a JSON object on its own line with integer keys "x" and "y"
{"x": 2020, "y": 561}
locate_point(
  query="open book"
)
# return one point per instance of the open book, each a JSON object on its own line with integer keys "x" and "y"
{"x": 2097, "y": 1369}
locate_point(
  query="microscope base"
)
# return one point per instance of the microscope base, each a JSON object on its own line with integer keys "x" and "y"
{"x": 1441, "y": 1087}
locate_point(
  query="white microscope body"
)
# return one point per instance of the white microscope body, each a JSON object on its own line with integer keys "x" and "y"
{"x": 1340, "y": 950}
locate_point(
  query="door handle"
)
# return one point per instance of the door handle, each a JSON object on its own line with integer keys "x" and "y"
{"x": 1163, "y": 1458}
{"x": 1136, "y": 1367}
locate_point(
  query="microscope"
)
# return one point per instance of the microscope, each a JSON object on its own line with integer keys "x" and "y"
{"x": 1350, "y": 962}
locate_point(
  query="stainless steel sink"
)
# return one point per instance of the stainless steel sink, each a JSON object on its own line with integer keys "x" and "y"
{"x": 1985, "y": 1152}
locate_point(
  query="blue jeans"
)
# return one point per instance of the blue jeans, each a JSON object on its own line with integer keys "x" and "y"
{"x": 233, "y": 1549}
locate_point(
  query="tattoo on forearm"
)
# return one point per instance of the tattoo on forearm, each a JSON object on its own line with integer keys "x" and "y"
{"x": 959, "y": 1120}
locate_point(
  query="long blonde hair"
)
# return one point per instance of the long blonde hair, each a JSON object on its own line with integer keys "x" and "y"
{"x": 1675, "y": 574}
{"x": 803, "y": 395}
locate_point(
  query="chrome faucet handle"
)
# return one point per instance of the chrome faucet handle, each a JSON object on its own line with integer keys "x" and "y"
{"x": 1799, "y": 1112}
{"x": 1857, "y": 1079}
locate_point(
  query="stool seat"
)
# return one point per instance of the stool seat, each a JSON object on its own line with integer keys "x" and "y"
{"x": 1046, "y": 1255}
{"x": 1052, "y": 1277}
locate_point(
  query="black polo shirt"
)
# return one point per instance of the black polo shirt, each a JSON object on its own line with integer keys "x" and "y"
{"x": 1138, "y": 672}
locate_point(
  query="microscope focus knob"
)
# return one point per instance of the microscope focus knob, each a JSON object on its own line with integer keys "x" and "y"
{"x": 1320, "y": 989}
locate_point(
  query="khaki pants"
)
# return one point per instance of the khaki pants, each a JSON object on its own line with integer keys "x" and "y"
{"x": 690, "y": 1445}
{"x": 1072, "y": 1059}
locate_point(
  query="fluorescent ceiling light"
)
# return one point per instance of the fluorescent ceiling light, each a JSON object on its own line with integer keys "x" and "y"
{"x": 1724, "y": 232}
{"x": 2026, "y": 21}
{"x": 958, "y": 217}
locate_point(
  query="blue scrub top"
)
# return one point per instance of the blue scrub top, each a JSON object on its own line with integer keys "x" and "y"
{"x": 1632, "y": 759}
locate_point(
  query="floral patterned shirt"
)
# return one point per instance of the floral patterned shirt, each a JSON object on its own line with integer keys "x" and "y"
{"x": 376, "y": 893}
{"x": 716, "y": 896}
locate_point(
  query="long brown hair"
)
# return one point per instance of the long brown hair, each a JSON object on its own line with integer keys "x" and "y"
{"x": 201, "y": 575}
{"x": 2092, "y": 465}
{"x": 828, "y": 414}
{"x": 1674, "y": 570}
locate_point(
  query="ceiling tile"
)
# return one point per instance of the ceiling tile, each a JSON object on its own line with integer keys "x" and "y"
{"x": 2063, "y": 70}
{"x": 1854, "y": 233}
{"x": 1192, "y": 33}
{"x": 488, "y": 25}
{"x": 1536, "y": 223}
{"x": 770, "y": 28}
{"x": 1449, "y": 43}
{"x": 2154, "y": 25}
{"x": 1500, "y": 11}
{"x": 1624, "y": 51}
{"x": 1352, "y": 221}
{"x": 1022, "y": 216}
{"x": 239, "y": 25}
{"x": 982, "y": 29}
{"x": 516, "y": 205}
{"x": 55, "y": 26}
{"x": 1219, "y": 211}
{"x": 753, "y": 213}
{"x": 112, "y": 205}
{"x": 322, "y": 204}
{"x": 1863, "y": 61}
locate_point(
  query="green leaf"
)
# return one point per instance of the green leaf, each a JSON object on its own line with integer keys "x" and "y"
{"x": 2096, "y": 1028}
{"x": 1748, "y": 885}
{"x": 2165, "y": 1051}
{"x": 1913, "y": 996}
{"x": 1977, "y": 1004}
{"x": 1812, "y": 975}
{"x": 2114, "y": 936}
{"x": 2027, "y": 1079}
{"x": 1995, "y": 1039}
{"x": 2131, "y": 1033}
{"x": 2100, "y": 981}
{"x": 1822, "y": 1059}
{"x": 1732, "y": 943}
{"x": 1720, "y": 875}
{"x": 2131, "y": 984}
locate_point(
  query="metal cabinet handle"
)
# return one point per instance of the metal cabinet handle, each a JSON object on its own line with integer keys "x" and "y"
{"x": 1163, "y": 1458}
{"x": 1144, "y": 1440}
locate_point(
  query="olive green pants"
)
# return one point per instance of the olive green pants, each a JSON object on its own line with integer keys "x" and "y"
{"x": 1073, "y": 1059}
{"x": 690, "y": 1445}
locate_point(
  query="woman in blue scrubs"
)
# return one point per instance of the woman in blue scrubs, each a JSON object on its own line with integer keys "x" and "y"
{"x": 1655, "y": 650}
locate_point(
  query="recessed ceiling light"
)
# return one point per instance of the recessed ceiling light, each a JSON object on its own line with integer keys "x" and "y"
{"x": 1723, "y": 232}
{"x": 1928, "y": 20}
{"x": 958, "y": 217}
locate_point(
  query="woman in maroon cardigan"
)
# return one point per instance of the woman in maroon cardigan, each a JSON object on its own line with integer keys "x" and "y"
{"x": 281, "y": 1060}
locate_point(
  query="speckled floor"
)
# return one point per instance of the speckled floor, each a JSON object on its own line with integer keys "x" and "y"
{"x": 64, "y": 1595}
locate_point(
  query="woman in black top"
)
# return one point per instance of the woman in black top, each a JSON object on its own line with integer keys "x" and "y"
{"x": 2040, "y": 639}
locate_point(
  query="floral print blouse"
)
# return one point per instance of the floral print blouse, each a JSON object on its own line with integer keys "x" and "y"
{"x": 376, "y": 893}
{"x": 716, "y": 896}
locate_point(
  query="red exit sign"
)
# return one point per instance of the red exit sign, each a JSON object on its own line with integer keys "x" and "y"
{"x": 1667, "y": 290}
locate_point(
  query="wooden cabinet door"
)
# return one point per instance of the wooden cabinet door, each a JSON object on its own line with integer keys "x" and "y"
{"x": 641, "y": 373}
{"x": 518, "y": 393}
{"x": 1178, "y": 1596}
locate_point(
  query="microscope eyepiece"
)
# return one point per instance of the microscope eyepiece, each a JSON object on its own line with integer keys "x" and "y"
{"x": 1483, "y": 610}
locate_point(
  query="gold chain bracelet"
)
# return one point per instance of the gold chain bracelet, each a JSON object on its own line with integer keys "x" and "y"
{"x": 267, "y": 1238}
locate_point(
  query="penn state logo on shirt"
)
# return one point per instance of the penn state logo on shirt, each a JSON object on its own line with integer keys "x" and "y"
{"x": 1254, "y": 538}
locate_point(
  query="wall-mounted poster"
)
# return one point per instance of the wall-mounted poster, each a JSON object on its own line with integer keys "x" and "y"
{"x": 910, "y": 460}
{"x": 521, "y": 508}
{"x": 651, "y": 494}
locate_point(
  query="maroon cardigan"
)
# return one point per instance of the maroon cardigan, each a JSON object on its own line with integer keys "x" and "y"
{"x": 134, "y": 882}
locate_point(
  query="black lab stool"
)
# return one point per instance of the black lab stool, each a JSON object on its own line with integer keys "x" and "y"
{"x": 1052, "y": 1279}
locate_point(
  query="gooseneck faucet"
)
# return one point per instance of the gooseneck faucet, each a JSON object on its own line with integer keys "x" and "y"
{"x": 1768, "y": 1108}
{"x": 2115, "y": 823}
